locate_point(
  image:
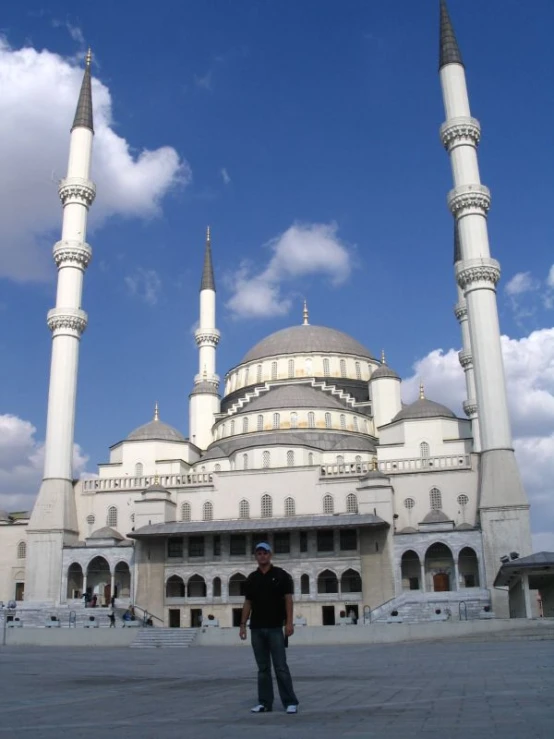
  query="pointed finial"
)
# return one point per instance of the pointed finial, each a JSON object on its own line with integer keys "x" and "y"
{"x": 156, "y": 412}
{"x": 305, "y": 315}
{"x": 208, "y": 235}
{"x": 208, "y": 282}
{"x": 83, "y": 114}
{"x": 421, "y": 391}
{"x": 88, "y": 57}
{"x": 383, "y": 358}
{"x": 449, "y": 51}
{"x": 375, "y": 464}
{"x": 156, "y": 479}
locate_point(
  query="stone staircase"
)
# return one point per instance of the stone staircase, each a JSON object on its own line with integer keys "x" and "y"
{"x": 74, "y": 615}
{"x": 413, "y": 607}
{"x": 163, "y": 638}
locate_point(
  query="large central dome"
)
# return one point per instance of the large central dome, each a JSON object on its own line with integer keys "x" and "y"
{"x": 306, "y": 339}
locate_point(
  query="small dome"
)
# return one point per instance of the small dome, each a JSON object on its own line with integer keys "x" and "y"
{"x": 384, "y": 371}
{"x": 436, "y": 516}
{"x": 106, "y": 533}
{"x": 156, "y": 488}
{"x": 155, "y": 431}
{"x": 306, "y": 339}
{"x": 464, "y": 527}
{"x": 423, "y": 408}
{"x": 408, "y": 530}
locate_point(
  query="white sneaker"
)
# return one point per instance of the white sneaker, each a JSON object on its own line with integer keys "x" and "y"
{"x": 260, "y": 708}
{"x": 292, "y": 709}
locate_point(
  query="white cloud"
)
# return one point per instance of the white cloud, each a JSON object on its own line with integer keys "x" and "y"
{"x": 225, "y": 176}
{"x": 529, "y": 365}
{"x": 22, "y": 461}
{"x": 522, "y": 282}
{"x": 550, "y": 278}
{"x": 302, "y": 250}
{"x": 37, "y": 105}
{"x": 204, "y": 81}
{"x": 144, "y": 284}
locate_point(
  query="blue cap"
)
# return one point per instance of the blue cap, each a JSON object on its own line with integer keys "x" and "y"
{"x": 263, "y": 545}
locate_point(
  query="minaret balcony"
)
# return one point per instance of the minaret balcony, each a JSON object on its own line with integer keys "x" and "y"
{"x": 71, "y": 253}
{"x": 68, "y": 321}
{"x": 470, "y": 408}
{"x": 478, "y": 273}
{"x": 462, "y": 131}
{"x": 207, "y": 337}
{"x": 466, "y": 359}
{"x": 77, "y": 190}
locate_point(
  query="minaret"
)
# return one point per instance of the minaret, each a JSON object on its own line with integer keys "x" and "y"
{"x": 465, "y": 357}
{"x": 204, "y": 398}
{"x": 53, "y": 521}
{"x": 503, "y": 505}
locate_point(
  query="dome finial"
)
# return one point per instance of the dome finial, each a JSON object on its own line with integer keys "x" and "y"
{"x": 208, "y": 239}
{"x": 156, "y": 412}
{"x": 88, "y": 57}
{"x": 375, "y": 464}
{"x": 383, "y": 358}
{"x": 305, "y": 315}
{"x": 421, "y": 391}
{"x": 156, "y": 479}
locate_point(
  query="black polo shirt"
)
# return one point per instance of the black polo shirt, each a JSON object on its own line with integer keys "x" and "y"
{"x": 266, "y": 592}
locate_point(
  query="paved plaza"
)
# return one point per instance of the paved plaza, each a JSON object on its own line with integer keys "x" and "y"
{"x": 446, "y": 690}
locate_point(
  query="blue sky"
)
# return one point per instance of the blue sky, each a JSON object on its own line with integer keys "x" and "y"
{"x": 312, "y": 112}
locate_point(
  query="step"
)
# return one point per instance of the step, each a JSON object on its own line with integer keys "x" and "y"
{"x": 160, "y": 638}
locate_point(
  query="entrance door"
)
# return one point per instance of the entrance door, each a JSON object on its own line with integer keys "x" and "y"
{"x": 352, "y": 608}
{"x": 19, "y": 590}
{"x": 441, "y": 582}
{"x": 237, "y": 615}
{"x": 328, "y": 615}
{"x": 175, "y": 618}
{"x": 107, "y": 594}
{"x": 195, "y": 617}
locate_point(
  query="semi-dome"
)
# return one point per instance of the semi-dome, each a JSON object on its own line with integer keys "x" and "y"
{"x": 423, "y": 408}
{"x": 294, "y": 396}
{"x": 436, "y": 516}
{"x": 106, "y": 533}
{"x": 306, "y": 339}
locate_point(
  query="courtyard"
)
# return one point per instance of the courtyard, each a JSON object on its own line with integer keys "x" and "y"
{"x": 474, "y": 689}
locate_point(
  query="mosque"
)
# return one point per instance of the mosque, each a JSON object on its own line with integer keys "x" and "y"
{"x": 373, "y": 506}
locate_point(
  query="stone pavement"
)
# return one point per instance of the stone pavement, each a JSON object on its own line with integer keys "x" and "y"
{"x": 446, "y": 690}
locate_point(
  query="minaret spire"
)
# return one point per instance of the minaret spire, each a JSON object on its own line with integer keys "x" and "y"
{"x": 305, "y": 315}
{"x": 421, "y": 391}
{"x": 449, "y": 51}
{"x": 156, "y": 412}
{"x": 208, "y": 281}
{"x": 83, "y": 114}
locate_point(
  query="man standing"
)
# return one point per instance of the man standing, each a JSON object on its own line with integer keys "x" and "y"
{"x": 268, "y": 603}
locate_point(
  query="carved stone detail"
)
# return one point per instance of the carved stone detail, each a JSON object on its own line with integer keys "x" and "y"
{"x": 460, "y": 131}
{"x": 207, "y": 338}
{"x": 73, "y": 253}
{"x": 77, "y": 190}
{"x": 469, "y": 200}
{"x": 72, "y": 321}
{"x": 472, "y": 271}
{"x": 466, "y": 359}
{"x": 470, "y": 408}
{"x": 460, "y": 310}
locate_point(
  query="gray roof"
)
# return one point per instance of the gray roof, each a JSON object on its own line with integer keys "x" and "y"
{"x": 294, "y": 396}
{"x": 457, "y": 246}
{"x": 436, "y": 516}
{"x": 83, "y": 114}
{"x": 208, "y": 281}
{"x": 374, "y": 475}
{"x": 155, "y": 431}
{"x": 156, "y": 488}
{"x": 449, "y": 52}
{"x": 423, "y": 408}
{"x": 343, "y": 520}
{"x": 4, "y": 516}
{"x": 324, "y": 441}
{"x": 204, "y": 387}
{"x": 306, "y": 339}
{"x": 106, "y": 533}
{"x": 384, "y": 371}
{"x": 538, "y": 561}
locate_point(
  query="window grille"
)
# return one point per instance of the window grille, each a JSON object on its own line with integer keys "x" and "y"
{"x": 267, "y": 506}
{"x": 185, "y": 512}
{"x": 435, "y": 497}
{"x": 208, "y": 511}
{"x": 328, "y": 504}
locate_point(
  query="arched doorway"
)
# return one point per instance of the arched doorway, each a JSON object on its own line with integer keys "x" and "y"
{"x": 216, "y": 587}
{"x": 439, "y": 568}
{"x": 99, "y": 580}
{"x": 351, "y": 582}
{"x": 468, "y": 567}
{"x": 196, "y": 587}
{"x": 122, "y": 580}
{"x": 175, "y": 587}
{"x": 237, "y": 584}
{"x": 327, "y": 582}
{"x": 410, "y": 569}
{"x": 74, "y": 581}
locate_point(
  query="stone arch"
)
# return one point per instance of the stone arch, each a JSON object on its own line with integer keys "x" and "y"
{"x": 99, "y": 578}
{"x": 122, "y": 580}
{"x": 216, "y": 587}
{"x": 410, "y": 570}
{"x": 304, "y": 584}
{"x": 196, "y": 587}
{"x": 175, "y": 587}
{"x": 237, "y": 584}
{"x": 327, "y": 582}
{"x": 351, "y": 581}
{"x": 74, "y": 580}
{"x": 468, "y": 568}
{"x": 439, "y": 567}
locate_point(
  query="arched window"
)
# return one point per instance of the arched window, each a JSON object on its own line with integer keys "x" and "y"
{"x": 294, "y": 420}
{"x": 245, "y": 461}
{"x": 139, "y": 469}
{"x": 358, "y": 463}
{"x": 289, "y": 507}
{"x": 435, "y": 498}
{"x": 409, "y": 503}
{"x": 175, "y": 587}
{"x": 244, "y": 509}
{"x": 22, "y": 550}
{"x": 196, "y": 587}
{"x": 216, "y": 587}
{"x": 351, "y": 582}
{"x": 217, "y": 468}
{"x": 245, "y": 425}
{"x": 424, "y": 450}
{"x": 266, "y": 459}
{"x": 326, "y": 370}
{"x": 355, "y": 420}
{"x": 291, "y": 367}
{"x": 358, "y": 371}
{"x": 232, "y": 428}
{"x": 208, "y": 511}
{"x": 237, "y": 584}
{"x": 259, "y": 373}
{"x": 340, "y": 459}
{"x": 351, "y": 503}
{"x": 91, "y": 518}
{"x": 328, "y": 504}
{"x": 343, "y": 367}
{"x": 111, "y": 518}
{"x": 223, "y": 430}
{"x": 185, "y": 512}
{"x": 260, "y": 423}
{"x": 274, "y": 370}
{"x": 267, "y": 506}
{"x": 342, "y": 421}
{"x": 463, "y": 500}
{"x": 311, "y": 420}
{"x": 290, "y": 458}
{"x": 305, "y": 584}
{"x": 310, "y": 458}
{"x": 309, "y": 367}
{"x": 327, "y": 582}
{"x": 327, "y": 420}
{"x": 276, "y": 420}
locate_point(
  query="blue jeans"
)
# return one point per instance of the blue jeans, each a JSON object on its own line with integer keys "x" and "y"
{"x": 269, "y": 646}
